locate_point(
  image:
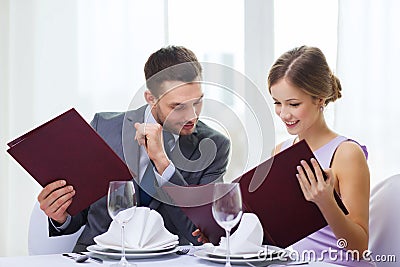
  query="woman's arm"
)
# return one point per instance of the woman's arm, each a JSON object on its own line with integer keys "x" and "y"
{"x": 350, "y": 176}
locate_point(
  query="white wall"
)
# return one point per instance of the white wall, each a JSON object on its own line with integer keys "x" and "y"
{"x": 4, "y": 48}
{"x": 17, "y": 90}
{"x": 368, "y": 59}
{"x": 36, "y": 44}
{"x": 51, "y": 59}
{"x": 259, "y": 56}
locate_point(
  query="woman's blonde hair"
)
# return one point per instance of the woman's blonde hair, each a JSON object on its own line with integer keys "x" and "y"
{"x": 306, "y": 67}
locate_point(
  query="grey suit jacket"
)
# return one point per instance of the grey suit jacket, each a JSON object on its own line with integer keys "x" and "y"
{"x": 120, "y": 137}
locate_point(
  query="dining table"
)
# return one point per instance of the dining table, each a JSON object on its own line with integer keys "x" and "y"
{"x": 168, "y": 260}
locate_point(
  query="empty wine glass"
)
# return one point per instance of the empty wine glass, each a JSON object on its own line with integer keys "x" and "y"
{"x": 227, "y": 210}
{"x": 120, "y": 198}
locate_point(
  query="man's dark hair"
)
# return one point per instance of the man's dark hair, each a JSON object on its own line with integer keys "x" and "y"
{"x": 171, "y": 63}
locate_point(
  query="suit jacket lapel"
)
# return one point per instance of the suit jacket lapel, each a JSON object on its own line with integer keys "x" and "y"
{"x": 129, "y": 145}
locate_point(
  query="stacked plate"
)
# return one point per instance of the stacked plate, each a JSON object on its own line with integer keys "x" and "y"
{"x": 115, "y": 252}
{"x": 266, "y": 253}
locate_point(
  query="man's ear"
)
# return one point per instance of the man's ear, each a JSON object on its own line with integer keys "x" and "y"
{"x": 150, "y": 98}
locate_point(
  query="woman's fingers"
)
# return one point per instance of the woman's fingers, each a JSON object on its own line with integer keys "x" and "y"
{"x": 304, "y": 187}
{"x": 331, "y": 178}
{"x": 318, "y": 172}
{"x": 312, "y": 182}
{"x": 308, "y": 172}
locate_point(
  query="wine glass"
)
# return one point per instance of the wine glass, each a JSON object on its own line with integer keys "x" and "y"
{"x": 121, "y": 197}
{"x": 227, "y": 210}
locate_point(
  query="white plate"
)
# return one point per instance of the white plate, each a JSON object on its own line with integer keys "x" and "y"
{"x": 116, "y": 254}
{"x": 260, "y": 253}
{"x": 202, "y": 254}
{"x": 139, "y": 250}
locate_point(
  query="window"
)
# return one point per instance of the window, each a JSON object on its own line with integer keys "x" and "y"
{"x": 306, "y": 22}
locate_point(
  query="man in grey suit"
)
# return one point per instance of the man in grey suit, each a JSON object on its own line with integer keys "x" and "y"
{"x": 174, "y": 103}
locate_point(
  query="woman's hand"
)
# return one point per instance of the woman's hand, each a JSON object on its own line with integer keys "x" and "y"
{"x": 200, "y": 236}
{"x": 314, "y": 187}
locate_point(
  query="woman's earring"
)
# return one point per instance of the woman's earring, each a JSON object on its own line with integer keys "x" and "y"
{"x": 321, "y": 108}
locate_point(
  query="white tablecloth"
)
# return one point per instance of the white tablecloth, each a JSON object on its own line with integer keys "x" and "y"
{"x": 167, "y": 261}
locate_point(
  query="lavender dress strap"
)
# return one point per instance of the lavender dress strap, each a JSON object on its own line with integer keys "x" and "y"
{"x": 364, "y": 148}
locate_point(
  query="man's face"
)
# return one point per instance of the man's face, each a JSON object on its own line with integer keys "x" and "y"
{"x": 178, "y": 109}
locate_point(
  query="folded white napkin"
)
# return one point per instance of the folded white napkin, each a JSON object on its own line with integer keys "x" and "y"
{"x": 246, "y": 239}
{"x": 145, "y": 230}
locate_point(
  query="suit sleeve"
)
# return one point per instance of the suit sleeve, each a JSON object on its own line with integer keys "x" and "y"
{"x": 79, "y": 219}
{"x": 214, "y": 172}
{"x": 76, "y": 223}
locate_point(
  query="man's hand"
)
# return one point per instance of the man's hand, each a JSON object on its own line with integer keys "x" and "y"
{"x": 200, "y": 236}
{"x": 54, "y": 200}
{"x": 150, "y": 136}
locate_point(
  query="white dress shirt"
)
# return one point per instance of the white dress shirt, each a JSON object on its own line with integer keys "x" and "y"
{"x": 144, "y": 158}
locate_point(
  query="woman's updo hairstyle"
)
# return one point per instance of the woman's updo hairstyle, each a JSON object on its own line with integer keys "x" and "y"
{"x": 306, "y": 67}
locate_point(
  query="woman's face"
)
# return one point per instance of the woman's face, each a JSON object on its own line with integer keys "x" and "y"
{"x": 297, "y": 109}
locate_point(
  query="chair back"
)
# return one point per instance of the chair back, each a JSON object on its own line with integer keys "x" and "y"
{"x": 384, "y": 221}
{"x": 39, "y": 242}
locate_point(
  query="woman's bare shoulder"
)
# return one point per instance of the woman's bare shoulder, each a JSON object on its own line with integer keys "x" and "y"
{"x": 350, "y": 150}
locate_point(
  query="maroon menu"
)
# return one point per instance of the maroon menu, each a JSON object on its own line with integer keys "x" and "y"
{"x": 196, "y": 202}
{"x": 67, "y": 147}
{"x": 271, "y": 191}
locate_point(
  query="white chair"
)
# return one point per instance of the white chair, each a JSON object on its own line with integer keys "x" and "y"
{"x": 384, "y": 221}
{"x": 40, "y": 243}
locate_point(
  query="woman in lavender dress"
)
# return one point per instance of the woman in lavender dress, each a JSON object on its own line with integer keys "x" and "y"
{"x": 301, "y": 85}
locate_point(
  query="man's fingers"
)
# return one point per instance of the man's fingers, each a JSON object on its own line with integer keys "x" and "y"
{"x": 196, "y": 232}
{"x": 201, "y": 238}
{"x": 140, "y": 133}
{"x": 48, "y": 189}
{"x": 61, "y": 214}
{"x": 149, "y": 135}
{"x": 56, "y": 200}
{"x": 57, "y": 211}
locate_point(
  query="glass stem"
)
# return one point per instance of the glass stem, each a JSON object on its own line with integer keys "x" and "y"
{"x": 228, "y": 249}
{"x": 123, "y": 259}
